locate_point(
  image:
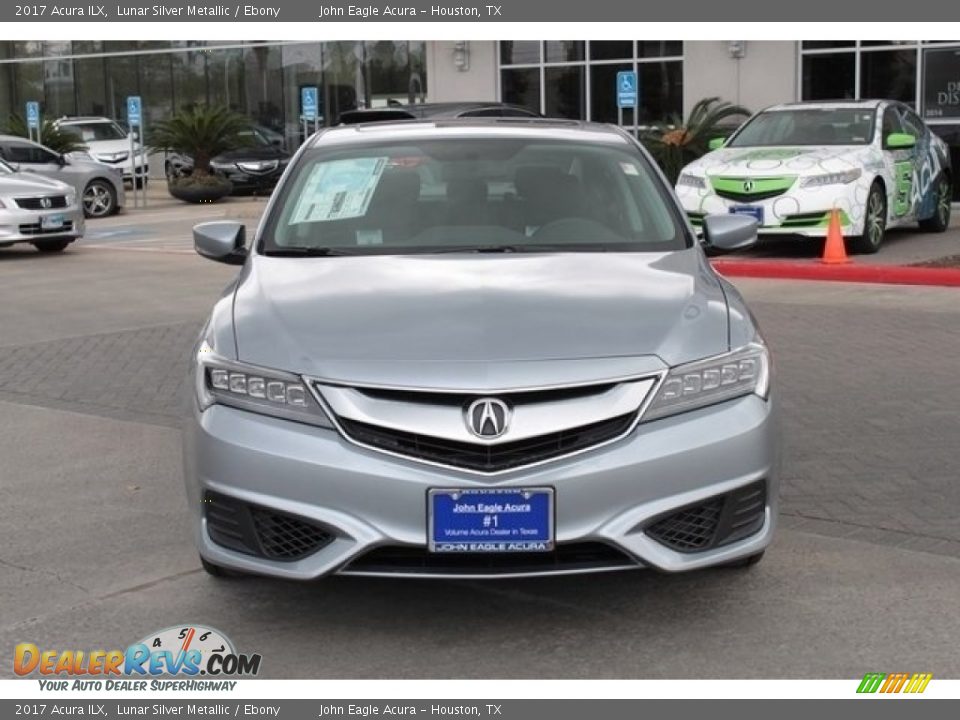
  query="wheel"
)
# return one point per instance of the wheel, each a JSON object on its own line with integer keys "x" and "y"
{"x": 941, "y": 215}
{"x": 874, "y": 222}
{"x": 748, "y": 561}
{"x": 51, "y": 246}
{"x": 218, "y": 571}
{"x": 99, "y": 199}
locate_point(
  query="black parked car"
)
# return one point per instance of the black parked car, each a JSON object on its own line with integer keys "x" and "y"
{"x": 437, "y": 111}
{"x": 254, "y": 167}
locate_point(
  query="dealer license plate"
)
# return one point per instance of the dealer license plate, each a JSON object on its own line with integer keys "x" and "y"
{"x": 51, "y": 222}
{"x": 493, "y": 520}
{"x": 752, "y": 210}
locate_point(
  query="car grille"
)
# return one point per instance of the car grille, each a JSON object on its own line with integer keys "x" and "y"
{"x": 487, "y": 458}
{"x": 749, "y": 197}
{"x": 762, "y": 188}
{"x": 35, "y": 229}
{"x": 717, "y": 521}
{"x": 260, "y": 531}
{"x": 36, "y": 203}
{"x": 416, "y": 560}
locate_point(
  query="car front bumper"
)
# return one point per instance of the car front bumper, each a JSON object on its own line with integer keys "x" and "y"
{"x": 250, "y": 181}
{"x": 805, "y": 212}
{"x": 25, "y": 226}
{"x": 367, "y": 500}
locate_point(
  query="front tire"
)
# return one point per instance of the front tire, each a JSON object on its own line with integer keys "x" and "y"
{"x": 51, "y": 246}
{"x": 940, "y": 220}
{"x": 874, "y": 222}
{"x": 99, "y": 199}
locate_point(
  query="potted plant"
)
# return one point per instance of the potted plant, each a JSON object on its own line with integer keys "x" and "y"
{"x": 199, "y": 133}
{"x": 678, "y": 142}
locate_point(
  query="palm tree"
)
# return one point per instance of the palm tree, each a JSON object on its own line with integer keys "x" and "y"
{"x": 52, "y": 137}
{"x": 200, "y": 132}
{"x": 678, "y": 142}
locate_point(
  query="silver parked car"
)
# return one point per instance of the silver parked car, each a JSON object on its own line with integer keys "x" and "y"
{"x": 37, "y": 210}
{"x": 478, "y": 348}
{"x": 99, "y": 187}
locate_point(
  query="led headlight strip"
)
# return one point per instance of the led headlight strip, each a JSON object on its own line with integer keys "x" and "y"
{"x": 706, "y": 382}
{"x": 259, "y": 390}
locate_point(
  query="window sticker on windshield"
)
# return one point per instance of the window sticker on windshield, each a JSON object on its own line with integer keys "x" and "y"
{"x": 338, "y": 190}
{"x": 629, "y": 168}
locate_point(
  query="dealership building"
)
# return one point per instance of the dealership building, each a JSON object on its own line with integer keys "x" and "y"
{"x": 572, "y": 79}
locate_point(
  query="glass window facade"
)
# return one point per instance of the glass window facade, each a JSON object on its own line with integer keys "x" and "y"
{"x": 576, "y": 79}
{"x": 260, "y": 80}
{"x": 923, "y": 74}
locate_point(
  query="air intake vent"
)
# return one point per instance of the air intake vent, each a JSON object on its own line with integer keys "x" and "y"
{"x": 259, "y": 531}
{"x": 717, "y": 521}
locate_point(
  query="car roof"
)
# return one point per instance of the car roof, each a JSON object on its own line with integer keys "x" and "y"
{"x": 432, "y": 110}
{"x": 17, "y": 138}
{"x": 520, "y": 127}
{"x": 828, "y": 105}
{"x": 84, "y": 118}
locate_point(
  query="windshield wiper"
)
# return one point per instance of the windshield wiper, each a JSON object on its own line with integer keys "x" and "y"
{"x": 525, "y": 248}
{"x": 302, "y": 251}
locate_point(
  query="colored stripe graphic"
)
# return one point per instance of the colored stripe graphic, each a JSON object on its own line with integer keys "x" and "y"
{"x": 894, "y": 683}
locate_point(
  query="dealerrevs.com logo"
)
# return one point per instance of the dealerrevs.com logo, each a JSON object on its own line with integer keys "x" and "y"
{"x": 185, "y": 651}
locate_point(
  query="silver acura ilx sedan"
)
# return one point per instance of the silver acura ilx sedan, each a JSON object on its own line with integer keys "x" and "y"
{"x": 478, "y": 348}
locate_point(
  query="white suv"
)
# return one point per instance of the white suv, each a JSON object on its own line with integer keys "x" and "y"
{"x": 108, "y": 143}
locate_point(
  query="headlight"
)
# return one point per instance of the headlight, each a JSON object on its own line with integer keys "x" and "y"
{"x": 706, "y": 382}
{"x": 268, "y": 392}
{"x": 258, "y": 166}
{"x": 838, "y": 178}
{"x": 691, "y": 181}
{"x": 71, "y": 196}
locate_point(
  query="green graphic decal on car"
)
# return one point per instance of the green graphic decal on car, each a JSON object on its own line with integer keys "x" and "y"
{"x": 903, "y": 177}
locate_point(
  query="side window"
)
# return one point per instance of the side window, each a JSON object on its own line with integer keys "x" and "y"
{"x": 488, "y": 112}
{"x": 19, "y": 153}
{"x": 29, "y": 154}
{"x": 912, "y": 124}
{"x": 517, "y": 112}
{"x": 891, "y": 124}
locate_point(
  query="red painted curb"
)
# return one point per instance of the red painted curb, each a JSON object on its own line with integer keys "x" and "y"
{"x": 815, "y": 270}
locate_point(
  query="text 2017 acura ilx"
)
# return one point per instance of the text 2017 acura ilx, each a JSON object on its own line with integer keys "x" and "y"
{"x": 478, "y": 348}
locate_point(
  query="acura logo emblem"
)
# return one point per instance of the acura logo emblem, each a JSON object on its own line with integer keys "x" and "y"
{"x": 748, "y": 185}
{"x": 488, "y": 417}
{"x": 46, "y": 202}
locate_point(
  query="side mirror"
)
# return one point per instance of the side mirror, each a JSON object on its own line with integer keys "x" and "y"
{"x": 222, "y": 240}
{"x": 729, "y": 232}
{"x": 900, "y": 141}
{"x": 716, "y": 143}
{"x": 62, "y": 160}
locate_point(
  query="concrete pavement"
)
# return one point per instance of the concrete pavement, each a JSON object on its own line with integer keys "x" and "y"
{"x": 95, "y": 548}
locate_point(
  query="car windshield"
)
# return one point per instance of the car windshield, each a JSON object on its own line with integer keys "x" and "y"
{"x": 808, "y": 126}
{"x": 94, "y": 131}
{"x": 469, "y": 194}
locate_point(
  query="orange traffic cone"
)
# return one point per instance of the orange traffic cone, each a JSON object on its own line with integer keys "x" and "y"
{"x": 834, "y": 250}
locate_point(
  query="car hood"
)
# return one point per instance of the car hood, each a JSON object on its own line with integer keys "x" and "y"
{"x": 324, "y": 316}
{"x": 769, "y": 161}
{"x": 102, "y": 147}
{"x": 21, "y": 183}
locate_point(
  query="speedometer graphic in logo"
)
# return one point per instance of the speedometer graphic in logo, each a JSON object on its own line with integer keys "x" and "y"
{"x": 181, "y": 639}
